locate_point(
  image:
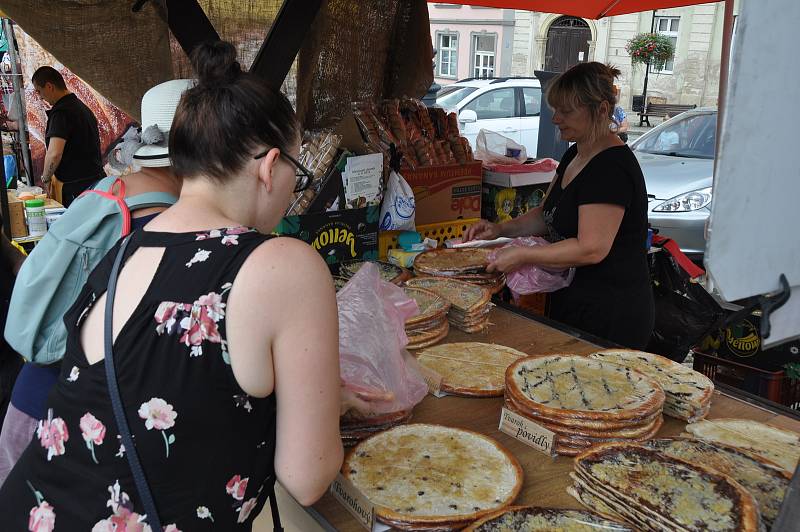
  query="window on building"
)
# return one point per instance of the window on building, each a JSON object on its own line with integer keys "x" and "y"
{"x": 668, "y": 26}
{"x": 493, "y": 104}
{"x": 448, "y": 55}
{"x": 483, "y": 61}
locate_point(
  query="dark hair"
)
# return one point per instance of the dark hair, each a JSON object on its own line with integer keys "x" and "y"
{"x": 47, "y": 74}
{"x": 227, "y": 117}
{"x": 586, "y": 85}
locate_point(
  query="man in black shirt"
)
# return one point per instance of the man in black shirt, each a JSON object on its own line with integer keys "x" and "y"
{"x": 72, "y": 137}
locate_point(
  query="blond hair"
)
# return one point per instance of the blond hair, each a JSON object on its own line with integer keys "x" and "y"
{"x": 587, "y": 85}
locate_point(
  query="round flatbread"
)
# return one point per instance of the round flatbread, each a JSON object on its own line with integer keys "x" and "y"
{"x": 472, "y": 369}
{"x": 767, "y": 482}
{"x": 687, "y": 391}
{"x": 427, "y": 338}
{"x": 427, "y": 475}
{"x": 655, "y": 491}
{"x": 779, "y": 446}
{"x": 389, "y": 272}
{"x": 533, "y": 519}
{"x": 562, "y": 424}
{"x": 464, "y": 297}
{"x": 446, "y": 260}
{"x": 431, "y": 305}
{"x": 582, "y": 388}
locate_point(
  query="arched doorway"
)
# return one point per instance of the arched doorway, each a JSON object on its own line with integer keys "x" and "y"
{"x": 567, "y": 44}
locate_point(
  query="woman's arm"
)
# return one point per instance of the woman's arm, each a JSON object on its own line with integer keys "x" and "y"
{"x": 283, "y": 302}
{"x": 598, "y": 224}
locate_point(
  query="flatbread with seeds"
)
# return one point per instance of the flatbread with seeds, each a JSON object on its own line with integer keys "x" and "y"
{"x": 426, "y": 476}
{"x": 533, "y": 519}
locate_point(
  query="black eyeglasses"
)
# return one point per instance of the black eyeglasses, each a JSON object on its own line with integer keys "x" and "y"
{"x": 303, "y": 176}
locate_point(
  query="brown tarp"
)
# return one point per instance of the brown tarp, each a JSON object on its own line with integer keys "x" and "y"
{"x": 359, "y": 51}
{"x": 355, "y": 51}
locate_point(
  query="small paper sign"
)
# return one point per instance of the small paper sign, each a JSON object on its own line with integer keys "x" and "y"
{"x": 354, "y": 501}
{"x": 433, "y": 380}
{"x": 527, "y": 431}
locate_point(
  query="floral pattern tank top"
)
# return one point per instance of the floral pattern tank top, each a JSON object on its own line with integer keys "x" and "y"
{"x": 207, "y": 448}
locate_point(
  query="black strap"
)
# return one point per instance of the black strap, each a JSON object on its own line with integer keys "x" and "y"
{"x": 116, "y": 401}
{"x": 273, "y": 506}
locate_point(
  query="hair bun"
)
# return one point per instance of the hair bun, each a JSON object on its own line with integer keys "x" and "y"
{"x": 215, "y": 63}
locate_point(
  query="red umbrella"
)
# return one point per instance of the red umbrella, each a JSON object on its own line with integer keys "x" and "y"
{"x": 582, "y": 8}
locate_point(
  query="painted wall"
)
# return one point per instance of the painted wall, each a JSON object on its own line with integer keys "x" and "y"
{"x": 466, "y": 22}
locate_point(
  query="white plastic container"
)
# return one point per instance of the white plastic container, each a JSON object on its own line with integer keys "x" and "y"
{"x": 34, "y": 213}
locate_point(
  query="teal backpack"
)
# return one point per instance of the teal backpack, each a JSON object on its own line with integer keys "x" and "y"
{"x": 52, "y": 276}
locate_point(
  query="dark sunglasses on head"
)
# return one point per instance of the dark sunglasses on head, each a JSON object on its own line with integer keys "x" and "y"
{"x": 303, "y": 176}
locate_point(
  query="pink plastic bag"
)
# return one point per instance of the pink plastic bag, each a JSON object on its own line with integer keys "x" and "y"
{"x": 531, "y": 279}
{"x": 372, "y": 341}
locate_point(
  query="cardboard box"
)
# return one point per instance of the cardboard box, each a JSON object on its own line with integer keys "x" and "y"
{"x": 338, "y": 236}
{"x": 506, "y": 195}
{"x": 16, "y": 207}
{"x": 446, "y": 193}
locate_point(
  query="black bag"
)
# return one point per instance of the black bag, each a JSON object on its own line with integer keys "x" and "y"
{"x": 685, "y": 312}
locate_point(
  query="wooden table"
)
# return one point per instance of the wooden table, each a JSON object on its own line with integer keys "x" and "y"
{"x": 546, "y": 479}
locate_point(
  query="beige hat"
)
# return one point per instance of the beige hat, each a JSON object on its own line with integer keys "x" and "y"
{"x": 158, "y": 109}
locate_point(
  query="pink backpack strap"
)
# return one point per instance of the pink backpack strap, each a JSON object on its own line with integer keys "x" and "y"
{"x": 119, "y": 198}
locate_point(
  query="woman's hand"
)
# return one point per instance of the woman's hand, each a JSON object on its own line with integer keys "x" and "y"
{"x": 508, "y": 259}
{"x": 361, "y": 400}
{"x": 483, "y": 230}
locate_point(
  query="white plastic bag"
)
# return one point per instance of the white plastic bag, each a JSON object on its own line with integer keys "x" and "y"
{"x": 494, "y": 148}
{"x": 397, "y": 212}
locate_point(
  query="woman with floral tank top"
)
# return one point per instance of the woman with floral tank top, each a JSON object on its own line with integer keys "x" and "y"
{"x": 225, "y": 342}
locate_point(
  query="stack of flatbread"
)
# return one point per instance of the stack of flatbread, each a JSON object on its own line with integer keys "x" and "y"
{"x": 585, "y": 402}
{"x": 765, "y": 481}
{"x": 470, "y": 369}
{"x": 534, "y": 519}
{"x": 390, "y": 273}
{"x": 776, "y": 445}
{"x": 688, "y": 392}
{"x": 430, "y": 477}
{"x": 339, "y": 282}
{"x": 430, "y": 326}
{"x": 463, "y": 264}
{"x": 655, "y": 492}
{"x": 354, "y": 428}
{"x": 469, "y": 303}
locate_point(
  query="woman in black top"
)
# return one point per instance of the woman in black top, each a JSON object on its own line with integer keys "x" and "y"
{"x": 595, "y": 214}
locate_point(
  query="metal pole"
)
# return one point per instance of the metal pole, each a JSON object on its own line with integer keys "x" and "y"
{"x": 647, "y": 69}
{"x": 727, "y": 39}
{"x": 22, "y": 122}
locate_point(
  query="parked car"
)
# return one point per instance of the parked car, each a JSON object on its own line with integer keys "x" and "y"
{"x": 677, "y": 159}
{"x": 509, "y": 106}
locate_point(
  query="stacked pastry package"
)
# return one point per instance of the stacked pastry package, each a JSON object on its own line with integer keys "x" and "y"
{"x": 585, "y": 402}
{"x": 469, "y": 303}
{"x": 423, "y": 136}
{"x": 688, "y": 392}
{"x": 430, "y": 326}
{"x": 317, "y": 154}
{"x": 464, "y": 264}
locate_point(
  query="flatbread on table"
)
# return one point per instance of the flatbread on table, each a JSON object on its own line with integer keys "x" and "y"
{"x": 576, "y": 387}
{"x": 447, "y": 260}
{"x": 428, "y": 338}
{"x": 463, "y": 296}
{"x": 431, "y": 476}
{"x": 767, "y": 482}
{"x": 471, "y": 369}
{"x": 688, "y": 392}
{"x": 431, "y": 305}
{"x": 389, "y": 272}
{"x": 776, "y": 445}
{"x": 653, "y": 491}
{"x": 535, "y": 519}
{"x": 339, "y": 282}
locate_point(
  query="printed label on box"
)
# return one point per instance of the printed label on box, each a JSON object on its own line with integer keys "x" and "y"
{"x": 354, "y": 501}
{"x": 527, "y": 431}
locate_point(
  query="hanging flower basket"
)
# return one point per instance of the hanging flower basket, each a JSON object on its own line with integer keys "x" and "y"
{"x": 650, "y": 48}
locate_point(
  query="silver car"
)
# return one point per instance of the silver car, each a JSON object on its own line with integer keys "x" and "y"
{"x": 677, "y": 159}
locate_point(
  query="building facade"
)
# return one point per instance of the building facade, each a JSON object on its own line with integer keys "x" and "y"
{"x": 526, "y": 41}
